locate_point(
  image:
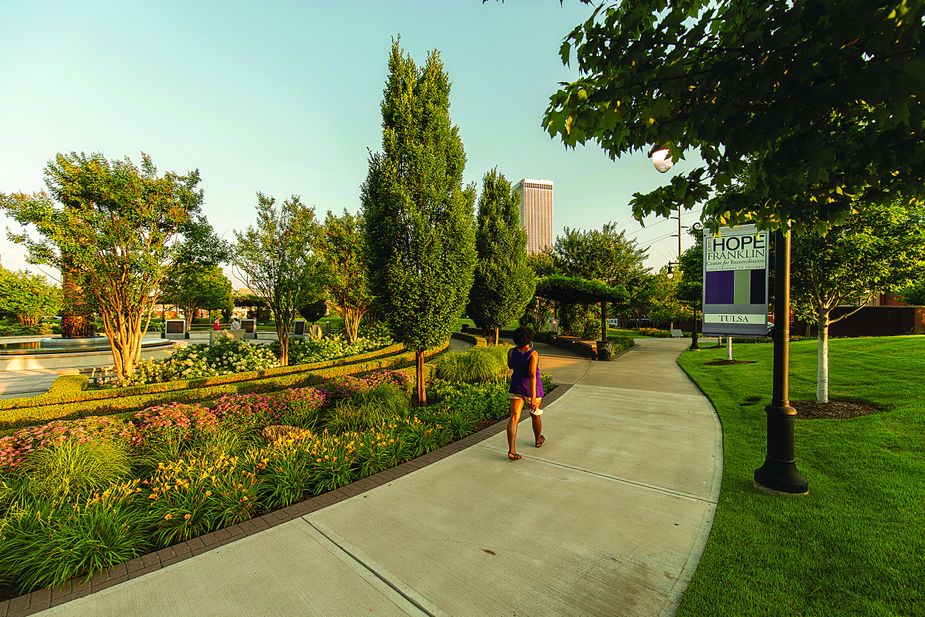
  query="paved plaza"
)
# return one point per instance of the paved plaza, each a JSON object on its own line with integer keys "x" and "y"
{"x": 609, "y": 517}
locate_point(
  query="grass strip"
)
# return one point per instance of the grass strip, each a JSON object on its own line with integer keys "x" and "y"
{"x": 854, "y": 545}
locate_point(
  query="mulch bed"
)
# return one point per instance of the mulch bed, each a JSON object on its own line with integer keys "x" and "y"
{"x": 725, "y": 362}
{"x": 838, "y": 410}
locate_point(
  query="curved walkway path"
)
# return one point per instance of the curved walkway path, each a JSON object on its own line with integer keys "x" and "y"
{"x": 608, "y": 518}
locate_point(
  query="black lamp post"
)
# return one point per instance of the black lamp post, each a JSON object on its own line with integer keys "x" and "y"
{"x": 779, "y": 473}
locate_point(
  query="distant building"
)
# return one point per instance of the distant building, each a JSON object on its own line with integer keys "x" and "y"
{"x": 536, "y": 213}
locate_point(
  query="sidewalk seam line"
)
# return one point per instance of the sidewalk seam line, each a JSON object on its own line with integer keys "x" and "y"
{"x": 659, "y": 489}
{"x": 369, "y": 569}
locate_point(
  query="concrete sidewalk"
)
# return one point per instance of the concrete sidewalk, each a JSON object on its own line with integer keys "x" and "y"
{"x": 608, "y": 518}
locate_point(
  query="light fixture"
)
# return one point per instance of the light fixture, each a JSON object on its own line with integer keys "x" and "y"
{"x": 661, "y": 158}
{"x": 671, "y": 265}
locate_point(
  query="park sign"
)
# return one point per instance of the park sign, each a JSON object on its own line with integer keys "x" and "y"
{"x": 735, "y": 282}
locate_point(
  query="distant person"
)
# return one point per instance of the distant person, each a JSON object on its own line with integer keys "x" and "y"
{"x": 216, "y": 325}
{"x": 526, "y": 389}
{"x": 235, "y": 324}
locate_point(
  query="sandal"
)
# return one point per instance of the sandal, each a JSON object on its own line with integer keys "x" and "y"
{"x": 540, "y": 441}
{"x": 513, "y": 456}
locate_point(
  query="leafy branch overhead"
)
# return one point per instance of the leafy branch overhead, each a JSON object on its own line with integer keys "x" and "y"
{"x": 797, "y": 110}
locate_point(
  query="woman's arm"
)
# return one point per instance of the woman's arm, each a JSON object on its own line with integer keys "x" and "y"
{"x": 534, "y": 361}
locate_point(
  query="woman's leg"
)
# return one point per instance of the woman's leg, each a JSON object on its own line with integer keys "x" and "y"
{"x": 517, "y": 405}
{"x": 537, "y": 429}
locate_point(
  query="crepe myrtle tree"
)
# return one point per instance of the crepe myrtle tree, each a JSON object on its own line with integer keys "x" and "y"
{"x": 420, "y": 236}
{"x": 108, "y": 226}
{"x": 341, "y": 245}
{"x": 27, "y": 297}
{"x": 276, "y": 256}
{"x": 504, "y": 281}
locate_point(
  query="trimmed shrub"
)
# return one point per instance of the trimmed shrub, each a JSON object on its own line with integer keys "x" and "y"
{"x": 30, "y": 411}
{"x": 225, "y": 356}
{"x": 304, "y": 351}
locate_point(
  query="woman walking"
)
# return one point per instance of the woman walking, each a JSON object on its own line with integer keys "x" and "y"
{"x": 526, "y": 389}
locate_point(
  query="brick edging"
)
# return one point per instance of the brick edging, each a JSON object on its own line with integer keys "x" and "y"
{"x": 44, "y": 599}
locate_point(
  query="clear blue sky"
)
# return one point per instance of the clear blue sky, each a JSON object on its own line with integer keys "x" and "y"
{"x": 283, "y": 97}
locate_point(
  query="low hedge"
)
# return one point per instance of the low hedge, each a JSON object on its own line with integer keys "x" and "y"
{"x": 72, "y": 388}
{"x": 125, "y": 402}
{"x": 478, "y": 341}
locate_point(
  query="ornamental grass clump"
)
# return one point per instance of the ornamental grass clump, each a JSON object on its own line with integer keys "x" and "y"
{"x": 474, "y": 365}
{"x": 15, "y": 447}
{"x": 45, "y": 545}
{"x": 72, "y": 470}
{"x": 191, "y": 497}
{"x": 368, "y": 409}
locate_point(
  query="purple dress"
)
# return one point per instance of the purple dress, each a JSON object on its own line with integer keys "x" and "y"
{"x": 519, "y": 362}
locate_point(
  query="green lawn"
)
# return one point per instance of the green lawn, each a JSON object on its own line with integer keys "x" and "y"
{"x": 856, "y": 544}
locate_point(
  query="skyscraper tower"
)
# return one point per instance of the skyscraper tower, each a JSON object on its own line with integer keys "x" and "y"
{"x": 536, "y": 213}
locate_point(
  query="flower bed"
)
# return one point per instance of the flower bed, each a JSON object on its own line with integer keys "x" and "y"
{"x": 176, "y": 471}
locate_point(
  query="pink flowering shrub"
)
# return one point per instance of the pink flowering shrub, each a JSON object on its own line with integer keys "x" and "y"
{"x": 402, "y": 380}
{"x": 247, "y": 411}
{"x": 300, "y": 406}
{"x": 15, "y": 447}
{"x": 173, "y": 423}
{"x": 339, "y": 388}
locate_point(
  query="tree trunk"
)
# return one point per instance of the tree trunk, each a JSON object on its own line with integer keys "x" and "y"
{"x": 603, "y": 320}
{"x": 419, "y": 370}
{"x": 76, "y": 321}
{"x": 27, "y": 320}
{"x": 497, "y": 330}
{"x": 822, "y": 369}
{"x": 189, "y": 312}
{"x": 283, "y": 336}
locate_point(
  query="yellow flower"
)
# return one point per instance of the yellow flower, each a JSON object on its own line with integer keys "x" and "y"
{"x": 168, "y": 516}
{"x": 187, "y": 516}
{"x": 208, "y": 493}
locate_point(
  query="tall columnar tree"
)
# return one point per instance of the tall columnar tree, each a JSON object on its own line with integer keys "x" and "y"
{"x": 341, "y": 245}
{"x": 277, "y": 257}
{"x": 111, "y": 236}
{"x": 27, "y": 297}
{"x": 879, "y": 248}
{"x": 504, "y": 281}
{"x": 419, "y": 230}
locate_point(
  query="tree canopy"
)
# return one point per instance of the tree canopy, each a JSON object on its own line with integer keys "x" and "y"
{"x": 879, "y": 248}
{"x": 27, "y": 297}
{"x": 419, "y": 230}
{"x": 276, "y": 255}
{"x": 112, "y": 236}
{"x": 504, "y": 281}
{"x": 341, "y": 244}
{"x": 577, "y": 290}
{"x": 799, "y": 111}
